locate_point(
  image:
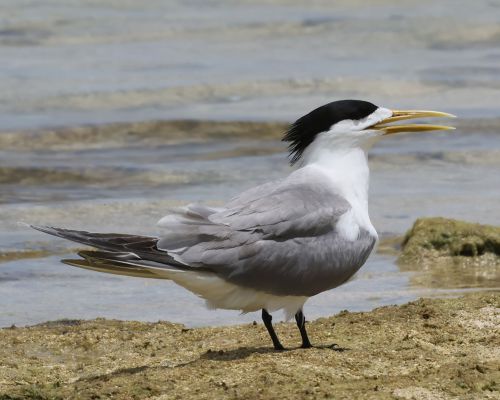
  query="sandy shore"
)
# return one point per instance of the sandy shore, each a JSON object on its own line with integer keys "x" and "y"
{"x": 427, "y": 349}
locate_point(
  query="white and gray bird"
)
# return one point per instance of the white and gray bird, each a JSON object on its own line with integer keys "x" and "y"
{"x": 275, "y": 245}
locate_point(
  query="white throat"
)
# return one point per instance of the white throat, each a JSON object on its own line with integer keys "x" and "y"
{"x": 346, "y": 166}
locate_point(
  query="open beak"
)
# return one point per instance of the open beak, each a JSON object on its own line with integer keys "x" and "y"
{"x": 401, "y": 115}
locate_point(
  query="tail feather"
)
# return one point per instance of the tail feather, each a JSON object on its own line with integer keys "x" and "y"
{"x": 112, "y": 267}
{"x": 143, "y": 247}
{"x": 105, "y": 241}
{"x": 121, "y": 264}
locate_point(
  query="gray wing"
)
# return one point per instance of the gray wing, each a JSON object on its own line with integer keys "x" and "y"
{"x": 280, "y": 210}
{"x": 279, "y": 238}
{"x": 285, "y": 211}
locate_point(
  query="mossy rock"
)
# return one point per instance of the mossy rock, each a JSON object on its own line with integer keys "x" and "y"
{"x": 435, "y": 239}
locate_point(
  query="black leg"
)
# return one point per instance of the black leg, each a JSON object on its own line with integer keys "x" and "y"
{"x": 301, "y": 323}
{"x": 266, "y": 317}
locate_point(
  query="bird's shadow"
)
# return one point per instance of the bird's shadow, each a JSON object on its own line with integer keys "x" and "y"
{"x": 218, "y": 355}
{"x": 244, "y": 352}
{"x": 235, "y": 354}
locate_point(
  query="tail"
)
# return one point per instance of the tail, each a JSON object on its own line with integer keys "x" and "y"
{"x": 121, "y": 254}
{"x": 121, "y": 264}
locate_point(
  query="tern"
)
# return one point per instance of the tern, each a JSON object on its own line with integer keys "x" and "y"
{"x": 275, "y": 245}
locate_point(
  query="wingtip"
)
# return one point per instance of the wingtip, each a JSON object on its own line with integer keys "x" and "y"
{"x": 41, "y": 228}
{"x": 37, "y": 227}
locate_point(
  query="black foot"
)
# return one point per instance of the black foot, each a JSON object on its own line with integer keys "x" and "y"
{"x": 267, "y": 318}
{"x": 279, "y": 347}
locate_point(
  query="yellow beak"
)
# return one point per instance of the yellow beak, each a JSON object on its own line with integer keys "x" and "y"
{"x": 400, "y": 115}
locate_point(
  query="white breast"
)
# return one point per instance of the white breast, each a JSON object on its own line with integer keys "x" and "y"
{"x": 348, "y": 173}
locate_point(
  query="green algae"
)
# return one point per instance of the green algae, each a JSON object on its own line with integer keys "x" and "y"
{"x": 446, "y": 253}
{"x": 145, "y": 133}
{"x": 433, "y": 238}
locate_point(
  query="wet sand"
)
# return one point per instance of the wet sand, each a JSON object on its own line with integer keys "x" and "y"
{"x": 426, "y": 349}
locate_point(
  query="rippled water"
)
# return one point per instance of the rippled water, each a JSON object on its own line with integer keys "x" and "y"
{"x": 76, "y": 61}
{"x": 75, "y": 64}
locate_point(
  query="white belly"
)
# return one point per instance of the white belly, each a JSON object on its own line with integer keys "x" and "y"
{"x": 219, "y": 293}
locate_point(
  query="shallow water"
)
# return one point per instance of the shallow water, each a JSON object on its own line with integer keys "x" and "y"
{"x": 72, "y": 61}
{"x": 128, "y": 189}
{"x": 69, "y": 63}
{"x": 33, "y": 291}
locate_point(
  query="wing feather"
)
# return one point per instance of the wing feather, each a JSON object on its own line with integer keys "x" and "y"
{"x": 142, "y": 246}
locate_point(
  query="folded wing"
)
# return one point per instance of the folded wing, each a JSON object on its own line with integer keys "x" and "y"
{"x": 279, "y": 238}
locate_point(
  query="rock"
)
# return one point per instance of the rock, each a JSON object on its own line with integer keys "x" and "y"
{"x": 437, "y": 240}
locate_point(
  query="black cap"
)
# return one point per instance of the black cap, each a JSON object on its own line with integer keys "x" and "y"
{"x": 303, "y": 131}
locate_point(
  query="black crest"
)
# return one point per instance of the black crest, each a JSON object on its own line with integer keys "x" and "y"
{"x": 303, "y": 131}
